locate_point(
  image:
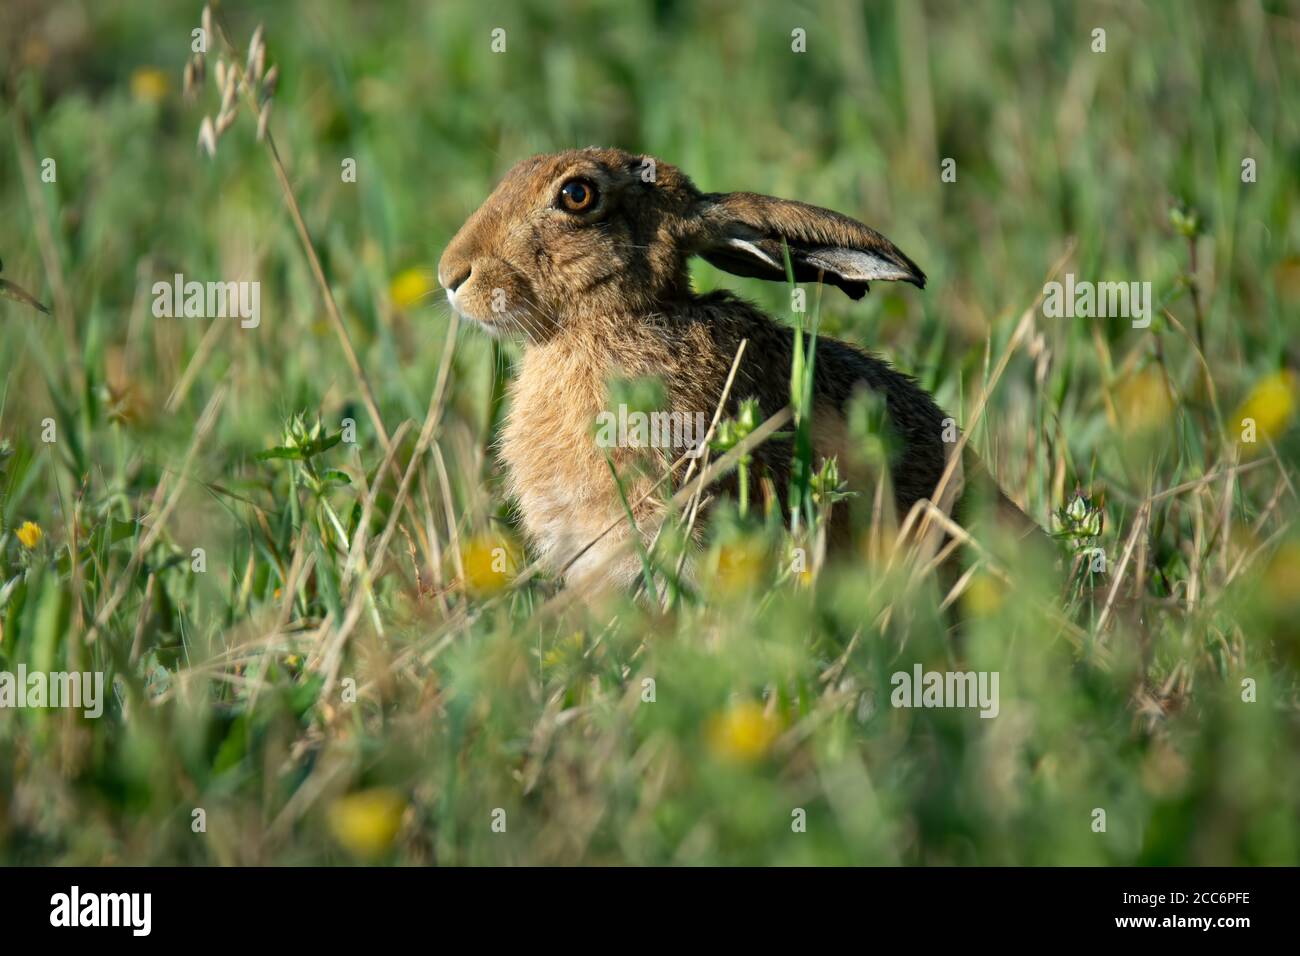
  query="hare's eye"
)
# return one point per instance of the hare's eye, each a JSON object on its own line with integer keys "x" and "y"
{"x": 577, "y": 195}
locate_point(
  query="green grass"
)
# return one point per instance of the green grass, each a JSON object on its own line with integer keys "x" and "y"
{"x": 232, "y": 688}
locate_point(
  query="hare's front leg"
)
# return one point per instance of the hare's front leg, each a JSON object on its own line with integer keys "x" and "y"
{"x": 582, "y": 530}
{"x": 614, "y": 561}
{"x": 606, "y": 566}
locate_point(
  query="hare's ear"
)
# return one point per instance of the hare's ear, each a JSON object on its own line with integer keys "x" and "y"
{"x": 742, "y": 233}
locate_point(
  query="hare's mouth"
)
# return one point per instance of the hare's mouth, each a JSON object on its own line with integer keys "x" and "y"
{"x": 491, "y": 328}
{"x": 495, "y": 326}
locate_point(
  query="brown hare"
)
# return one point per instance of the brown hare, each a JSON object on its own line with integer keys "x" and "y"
{"x": 584, "y": 255}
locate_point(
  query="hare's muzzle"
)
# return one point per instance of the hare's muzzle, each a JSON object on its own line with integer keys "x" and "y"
{"x": 451, "y": 281}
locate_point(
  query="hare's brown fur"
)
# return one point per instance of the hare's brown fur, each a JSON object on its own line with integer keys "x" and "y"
{"x": 605, "y": 293}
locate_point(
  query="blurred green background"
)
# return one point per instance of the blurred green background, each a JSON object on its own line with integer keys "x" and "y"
{"x": 481, "y": 706}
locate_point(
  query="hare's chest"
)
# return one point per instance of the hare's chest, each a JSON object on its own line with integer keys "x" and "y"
{"x": 557, "y": 472}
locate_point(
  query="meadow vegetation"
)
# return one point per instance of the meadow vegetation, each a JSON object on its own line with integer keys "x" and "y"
{"x": 289, "y": 549}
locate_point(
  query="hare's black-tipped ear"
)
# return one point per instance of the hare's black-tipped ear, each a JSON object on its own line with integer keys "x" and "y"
{"x": 742, "y": 232}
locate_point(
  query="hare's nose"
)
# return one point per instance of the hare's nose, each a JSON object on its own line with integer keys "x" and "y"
{"x": 455, "y": 278}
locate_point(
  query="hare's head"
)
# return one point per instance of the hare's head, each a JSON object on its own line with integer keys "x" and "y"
{"x": 599, "y": 232}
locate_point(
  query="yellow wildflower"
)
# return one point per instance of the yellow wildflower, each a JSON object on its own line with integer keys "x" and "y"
{"x": 739, "y": 566}
{"x": 985, "y": 595}
{"x": 30, "y": 534}
{"x": 410, "y": 287}
{"x": 148, "y": 84}
{"x": 1267, "y": 410}
{"x": 491, "y": 563}
{"x": 570, "y": 646}
{"x": 1142, "y": 401}
{"x": 743, "y": 733}
{"x": 366, "y": 823}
